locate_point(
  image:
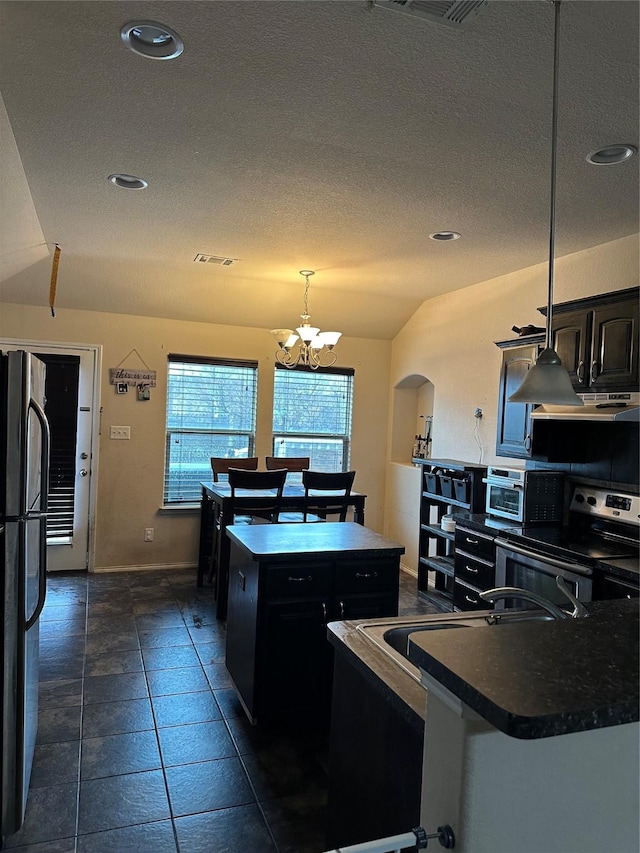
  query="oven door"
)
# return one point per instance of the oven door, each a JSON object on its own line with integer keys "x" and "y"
{"x": 505, "y": 501}
{"x": 518, "y": 566}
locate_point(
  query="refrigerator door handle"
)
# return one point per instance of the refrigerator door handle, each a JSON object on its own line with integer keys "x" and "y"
{"x": 44, "y": 453}
{"x": 42, "y": 577}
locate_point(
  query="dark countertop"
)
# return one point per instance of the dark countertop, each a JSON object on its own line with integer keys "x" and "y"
{"x": 329, "y": 540}
{"x": 542, "y": 679}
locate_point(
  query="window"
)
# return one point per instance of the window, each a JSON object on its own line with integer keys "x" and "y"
{"x": 312, "y": 416}
{"x": 211, "y": 411}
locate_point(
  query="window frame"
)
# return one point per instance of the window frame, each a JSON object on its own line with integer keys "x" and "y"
{"x": 168, "y": 500}
{"x": 343, "y": 437}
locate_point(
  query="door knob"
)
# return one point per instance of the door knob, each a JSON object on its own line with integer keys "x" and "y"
{"x": 83, "y": 472}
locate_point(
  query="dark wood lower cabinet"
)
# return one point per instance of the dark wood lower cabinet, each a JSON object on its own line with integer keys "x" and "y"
{"x": 375, "y": 761}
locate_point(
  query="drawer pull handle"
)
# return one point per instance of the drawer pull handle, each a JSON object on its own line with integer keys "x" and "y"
{"x": 471, "y": 569}
{"x": 470, "y": 541}
{"x": 470, "y": 600}
{"x": 341, "y": 603}
{"x": 324, "y": 612}
{"x": 360, "y": 575}
{"x": 308, "y": 579}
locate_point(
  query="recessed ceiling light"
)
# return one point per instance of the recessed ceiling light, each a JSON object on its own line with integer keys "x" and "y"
{"x": 611, "y": 154}
{"x": 128, "y": 182}
{"x": 445, "y": 235}
{"x": 151, "y": 39}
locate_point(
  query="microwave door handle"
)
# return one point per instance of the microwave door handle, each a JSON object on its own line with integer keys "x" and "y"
{"x": 536, "y": 555}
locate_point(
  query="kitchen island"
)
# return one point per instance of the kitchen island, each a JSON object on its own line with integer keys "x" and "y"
{"x": 531, "y": 734}
{"x": 286, "y": 581}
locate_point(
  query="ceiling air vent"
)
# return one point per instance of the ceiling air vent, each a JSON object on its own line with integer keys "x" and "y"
{"x": 214, "y": 259}
{"x": 452, "y": 13}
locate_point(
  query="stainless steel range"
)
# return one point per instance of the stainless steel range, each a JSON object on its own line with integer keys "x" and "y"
{"x": 602, "y": 527}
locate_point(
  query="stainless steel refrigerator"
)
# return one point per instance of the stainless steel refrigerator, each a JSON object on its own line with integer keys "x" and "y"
{"x": 24, "y": 477}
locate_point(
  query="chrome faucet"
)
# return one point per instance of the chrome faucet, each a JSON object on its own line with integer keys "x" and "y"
{"x": 579, "y": 610}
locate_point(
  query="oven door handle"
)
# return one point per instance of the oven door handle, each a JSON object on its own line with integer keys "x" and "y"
{"x": 503, "y": 484}
{"x": 536, "y": 555}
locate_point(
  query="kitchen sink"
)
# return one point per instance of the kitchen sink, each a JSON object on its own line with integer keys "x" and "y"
{"x": 391, "y": 636}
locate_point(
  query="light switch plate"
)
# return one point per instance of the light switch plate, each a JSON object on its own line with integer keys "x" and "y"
{"x": 122, "y": 432}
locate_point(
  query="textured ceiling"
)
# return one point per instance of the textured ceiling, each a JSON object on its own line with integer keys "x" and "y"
{"x": 312, "y": 134}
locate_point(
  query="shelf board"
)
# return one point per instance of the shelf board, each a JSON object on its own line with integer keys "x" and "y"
{"x": 449, "y": 501}
{"x": 438, "y": 531}
{"x": 440, "y": 599}
{"x": 440, "y": 564}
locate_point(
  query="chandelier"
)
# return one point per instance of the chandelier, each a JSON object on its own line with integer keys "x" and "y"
{"x": 314, "y": 348}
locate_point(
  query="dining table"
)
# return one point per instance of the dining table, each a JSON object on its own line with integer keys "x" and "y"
{"x": 215, "y": 515}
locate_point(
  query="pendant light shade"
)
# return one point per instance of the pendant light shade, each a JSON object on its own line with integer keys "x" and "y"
{"x": 548, "y": 382}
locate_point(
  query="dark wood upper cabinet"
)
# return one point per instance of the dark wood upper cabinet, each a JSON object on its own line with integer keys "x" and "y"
{"x": 614, "y": 347}
{"x": 597, "y": 340}
{"x": 570, "y": 338}
{"x": 514, "y": 419}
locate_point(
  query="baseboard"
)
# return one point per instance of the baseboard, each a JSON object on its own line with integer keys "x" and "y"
{"x": 156, "y": 567}
{"x": 409, "y": 570}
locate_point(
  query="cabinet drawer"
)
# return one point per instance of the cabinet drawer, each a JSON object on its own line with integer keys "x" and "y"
{"x": 475, "y": 572}
{"x": 366, "y": 575}
{"x": 366, "y": 606}
{"x": 299, "y": 581}
{"x": 475, "y": 544}
{"x": 467, "y": 598}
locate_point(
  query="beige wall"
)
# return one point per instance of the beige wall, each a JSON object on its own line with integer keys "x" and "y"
{"x": 450, "y": 341}
{"x": 130, "y": 475}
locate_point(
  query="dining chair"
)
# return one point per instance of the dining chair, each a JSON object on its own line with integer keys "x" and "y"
{"x": 335, "y": 484}
{"x": 265, "y": 510}
{"x": 221, "y": 465}
{"x": 266, "y": 507}
{"x": 291, "y": 463}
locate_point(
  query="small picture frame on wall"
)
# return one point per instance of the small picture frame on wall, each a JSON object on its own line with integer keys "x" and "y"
{"x": 144, "y": 392}
{"x": 122, "y": 388}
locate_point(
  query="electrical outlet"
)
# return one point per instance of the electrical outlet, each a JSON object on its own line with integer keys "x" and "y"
{"x": 122, "y": 432}
{"x": 148, "y": 534}
{"x": 477, "y": 413}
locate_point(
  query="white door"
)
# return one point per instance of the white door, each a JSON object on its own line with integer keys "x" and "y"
{"x": 70, "y": 543}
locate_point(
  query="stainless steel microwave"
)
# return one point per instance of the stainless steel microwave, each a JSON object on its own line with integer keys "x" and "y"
{"x": 525, "y": 497}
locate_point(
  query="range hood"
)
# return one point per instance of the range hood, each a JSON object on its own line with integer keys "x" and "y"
{"x": 623, "y": 407}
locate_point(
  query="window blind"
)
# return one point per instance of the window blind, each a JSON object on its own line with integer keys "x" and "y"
{"x": 211, "y": 411}
{"x": 312, "y": 416}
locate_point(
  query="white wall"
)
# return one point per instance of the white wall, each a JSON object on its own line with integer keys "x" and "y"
{"x": 450, "y": 340}
{"x": 130, "y": 479}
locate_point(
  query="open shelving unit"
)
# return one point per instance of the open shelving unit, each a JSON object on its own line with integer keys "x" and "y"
{"x": 444, "y": 482}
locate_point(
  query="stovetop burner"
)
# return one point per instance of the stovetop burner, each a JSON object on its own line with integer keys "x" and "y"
{"x": 575, "y": 542}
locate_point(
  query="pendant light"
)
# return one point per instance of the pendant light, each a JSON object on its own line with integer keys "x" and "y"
{"x": 548, "y": 382}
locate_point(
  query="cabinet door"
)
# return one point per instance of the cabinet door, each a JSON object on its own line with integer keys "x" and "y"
{"x": 570, "y": 340}
{"x": 614, "y": 351}
{"x": 296, "y": 658}
{"x": 514, "y": 421}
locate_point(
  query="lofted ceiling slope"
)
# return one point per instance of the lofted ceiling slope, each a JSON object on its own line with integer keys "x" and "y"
{"x": 322, "y": 135}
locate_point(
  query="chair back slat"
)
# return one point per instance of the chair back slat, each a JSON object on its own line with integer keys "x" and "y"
{"x": 221, "y": 465}
{"x": 266, "y": 507}
{"x": 317, "y": 482}
{"x": 291, "y": 463}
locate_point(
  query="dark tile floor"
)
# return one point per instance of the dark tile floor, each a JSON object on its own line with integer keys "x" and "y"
{"x": 142, "y": 744}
